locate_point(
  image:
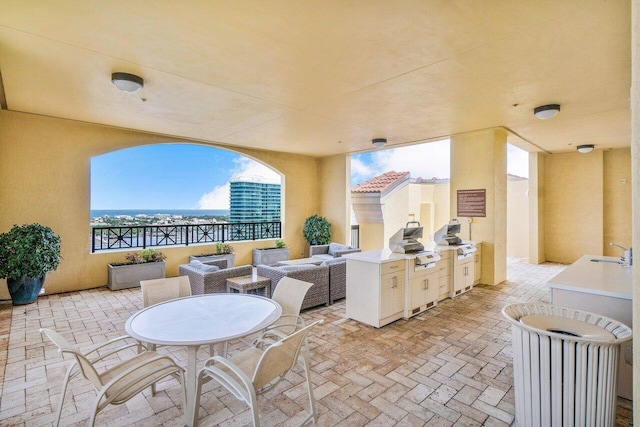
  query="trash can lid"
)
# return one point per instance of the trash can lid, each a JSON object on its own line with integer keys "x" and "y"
{"x": 566, "y": 326}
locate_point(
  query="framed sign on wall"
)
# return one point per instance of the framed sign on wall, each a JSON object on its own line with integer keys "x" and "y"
{"x": 472, "y": 203}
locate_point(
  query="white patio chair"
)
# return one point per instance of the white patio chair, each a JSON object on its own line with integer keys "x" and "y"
{"x": 156, "y": 291}
{"x": 120, "y": 382}
{"x": 254, "y": 371}
{"x": 160, "y": 290}
{"x": 289, "y": 294}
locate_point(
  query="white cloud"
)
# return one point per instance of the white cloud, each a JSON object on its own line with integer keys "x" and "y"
{"x": 361, "y": 171}
{"x": 244, "y": 166}
{"x": 429, "y": 160}
{"x": 517, "y": 161}
{"x": 423, "y": 161}
{"x": 218, "y": 198}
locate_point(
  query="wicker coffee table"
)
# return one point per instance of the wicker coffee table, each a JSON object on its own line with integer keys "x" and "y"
{"x": 256, "y": 285}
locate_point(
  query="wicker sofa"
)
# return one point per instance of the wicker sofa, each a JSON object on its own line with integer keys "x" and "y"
{"x": 330, "y": 251}
{"x": 208, "y": 282}
{"x": 337, "y": 278}
{"x": 318, "y": 275}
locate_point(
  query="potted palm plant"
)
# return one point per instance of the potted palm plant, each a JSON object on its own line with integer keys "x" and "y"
{"x": 146, "y": 264}
{"x": 27, "y": 254}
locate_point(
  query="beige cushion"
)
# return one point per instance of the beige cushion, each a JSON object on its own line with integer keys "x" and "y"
{"x": 203, "y": 267}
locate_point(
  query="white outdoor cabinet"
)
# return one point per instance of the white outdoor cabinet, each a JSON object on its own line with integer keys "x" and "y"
{"x": 375, "y": 288}
{"x": 422, "y": 290}
{"x": 444, "y": 275}
{"x": 463, "y": 274}
{"x": 477, "y": 264}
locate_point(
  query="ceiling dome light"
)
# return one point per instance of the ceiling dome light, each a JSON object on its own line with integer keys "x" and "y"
{"x": 587, "y": 148}
{"x": 544, "y": 112}
{"x": 126, "y": 82}
{"x": 379, "y": 142}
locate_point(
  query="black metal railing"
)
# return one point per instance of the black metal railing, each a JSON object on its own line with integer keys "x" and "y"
{"x": 143, "y": 236}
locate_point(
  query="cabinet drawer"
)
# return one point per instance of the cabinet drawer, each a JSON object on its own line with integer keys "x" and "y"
{"x": 444, "y": 268}
{"x": 392, "y": 267}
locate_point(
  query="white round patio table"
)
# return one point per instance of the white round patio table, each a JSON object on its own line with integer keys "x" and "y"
{"x": 201, "y": 319}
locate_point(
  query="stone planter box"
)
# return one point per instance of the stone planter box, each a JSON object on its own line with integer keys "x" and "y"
{"x": 231, "y": 258}
{"x": 270, "y": 256}
{"x": 130, "y": 275}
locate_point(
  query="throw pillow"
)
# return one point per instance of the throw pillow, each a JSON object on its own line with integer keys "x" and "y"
{"x": 203, "y": 267}
{"x": 300, "y": 267}
{"x": 336, "y": 247}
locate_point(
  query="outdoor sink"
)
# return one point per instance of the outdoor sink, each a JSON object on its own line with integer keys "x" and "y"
{"x": 611, "y": 261}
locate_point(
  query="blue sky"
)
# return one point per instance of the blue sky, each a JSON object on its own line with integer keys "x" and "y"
{"x": 168, "y": 176}
{"x": 190, "y": 176}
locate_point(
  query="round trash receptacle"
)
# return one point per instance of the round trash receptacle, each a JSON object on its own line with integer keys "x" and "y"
{"x": 565, "y": 365}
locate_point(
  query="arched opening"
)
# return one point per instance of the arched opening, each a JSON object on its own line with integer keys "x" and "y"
{"x": 181, "y": 194}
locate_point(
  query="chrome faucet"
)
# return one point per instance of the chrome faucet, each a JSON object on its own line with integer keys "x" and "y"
{"x": 627, "y": 258}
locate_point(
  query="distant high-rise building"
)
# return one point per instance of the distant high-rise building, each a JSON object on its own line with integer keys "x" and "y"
{"x": 253, "y": 199}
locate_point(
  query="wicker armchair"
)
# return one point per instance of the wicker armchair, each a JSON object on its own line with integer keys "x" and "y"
{"x": 337, "y": 278}
{"x": 318, "y": 275}
{"x": 332, "y": 250}
{"x": 212, "y": 282}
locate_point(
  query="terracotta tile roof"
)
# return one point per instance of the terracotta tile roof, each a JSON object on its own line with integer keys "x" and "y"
{"x": 380, "y": 183}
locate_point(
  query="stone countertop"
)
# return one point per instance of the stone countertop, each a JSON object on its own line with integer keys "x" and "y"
{"x": 385, "y": 255}
{"x": 598, "y": 278}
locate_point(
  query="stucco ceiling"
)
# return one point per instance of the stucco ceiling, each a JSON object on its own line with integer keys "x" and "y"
{"x": 326, "y": 76}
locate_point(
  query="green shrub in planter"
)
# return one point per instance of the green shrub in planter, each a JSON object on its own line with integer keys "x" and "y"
{"x": 27, "y": 254}
{"x": 317, "y": 230}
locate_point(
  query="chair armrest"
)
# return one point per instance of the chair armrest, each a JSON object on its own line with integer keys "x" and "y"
{"x": 318, "y": 250}
{"x": 196, "y": 278}
{"x": 346, "y": 251}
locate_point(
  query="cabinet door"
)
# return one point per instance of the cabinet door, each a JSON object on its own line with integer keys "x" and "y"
{"x": 417, "y": 292}
{"x": 470, "y": 275}
{"x": 391, "y": 294}
{"x": 433, "y": 288}
{"x": 398, "y": 295}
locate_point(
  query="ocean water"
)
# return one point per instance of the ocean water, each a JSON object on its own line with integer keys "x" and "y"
{"x": 133, "y": 212}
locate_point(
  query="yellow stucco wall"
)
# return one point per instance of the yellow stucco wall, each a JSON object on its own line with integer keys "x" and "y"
{"x": 573, "y": 205}
{"x": 536, "y": 208}
{"x": 617, "y": 200}
{"x": 518, "y": 218}
{"x": 635, "y": 215}
{"x": 335, "y": 196}
{"x": 45, "y": 178}
{"x": 479, "y": 161}
{"x": 395, "y": 211}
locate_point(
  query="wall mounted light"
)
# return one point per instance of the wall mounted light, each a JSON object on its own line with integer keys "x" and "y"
{"x": 379, "y": 142}
{"x": 544, "y": 112}
{"x": 587, "y": 148}
{"x": 126, "y": 82}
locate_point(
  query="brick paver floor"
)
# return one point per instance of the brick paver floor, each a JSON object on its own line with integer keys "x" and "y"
{"x": 450, "y": 366}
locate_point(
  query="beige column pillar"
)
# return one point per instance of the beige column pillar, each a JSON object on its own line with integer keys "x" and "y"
{"x": 536, "y": 208}
{"x": 335, "y": 195}
{"x": 635, "y": 171}
{"x": 479, "y": 161}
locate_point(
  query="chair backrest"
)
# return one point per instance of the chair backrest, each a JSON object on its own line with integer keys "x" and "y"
{"x": 160, "y": 290}
{"x": 86, "y": 367}
{"x": 279, "y": 357}
{"x": 290, "y": 293}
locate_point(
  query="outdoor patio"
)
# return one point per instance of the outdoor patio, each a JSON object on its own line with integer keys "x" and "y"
{"x": 448, "y": 366}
